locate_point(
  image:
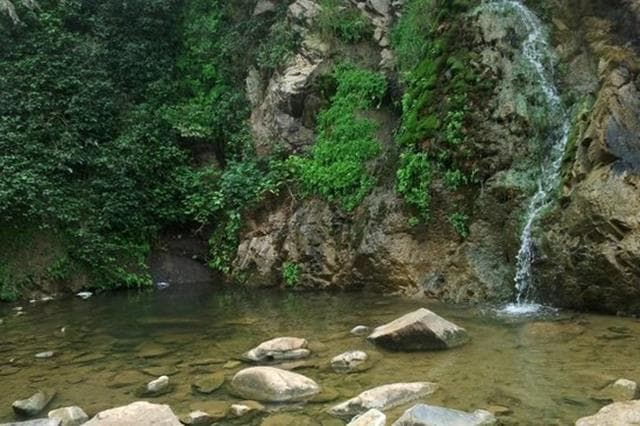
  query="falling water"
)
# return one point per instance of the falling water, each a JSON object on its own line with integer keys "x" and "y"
{"x": 537, "y": 54}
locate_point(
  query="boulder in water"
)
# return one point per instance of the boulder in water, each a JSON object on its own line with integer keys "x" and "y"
{"x": 279, "y": 349}
{"x": 417, "y": 331}
{"x": 136, "y": 413}
{"x": 383, "y": 398}
{"x": 431, "y": 415}
{"x": 196, "y": 418}
{"x": 273, "y": 385}
{"x": 209, "y": 383}
{"x": 620, "y": 390}
{"x": 626, "y": 413}
{"x": 69, "y": 416}
{"x": 33, "y": 405}
{"x": 349, "y": 361}
{"x": 372, "y": 417}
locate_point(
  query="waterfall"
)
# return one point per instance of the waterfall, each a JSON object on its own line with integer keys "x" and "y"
{"x": 537, "y": 54}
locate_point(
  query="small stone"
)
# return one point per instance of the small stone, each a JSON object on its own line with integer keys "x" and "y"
{"x": 197, "y": 418}
{"x": 84, "y": 294}
{"x": 217, "y": 410}
{"x": 151, "y": 350}
{"x": 160, "y": 371}
{"x": 209, "y": 383}
{"x": 69, "y": 416}
{"x": 360, "y": 330}
{"x": 499, "y": 410}
{"x": 43, "y": 355}
{"x": 349, "y": 361}
{"x": 230, "y": 365}
{"x": 33, "y": 405}
{"x": 620, "y": 390}
{"x": 158, "y": 386}
{"x": 372, "y": 417}
{"x": 244, "y": 408}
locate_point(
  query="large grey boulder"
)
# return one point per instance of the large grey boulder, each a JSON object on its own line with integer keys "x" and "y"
{"x": 431, "y": 415}
{"x": 69, "y": 416}
{"x": 279, "y": 349}
{"x": 33, "y": 405}
{"x": 383, "y": 398}
{"x": 417, "y": 331}
{"x": 372, "y": 417}
{"x": 625, "y": 413}
{"x": 273, "y": 385}
{"x": 137, "y": 413}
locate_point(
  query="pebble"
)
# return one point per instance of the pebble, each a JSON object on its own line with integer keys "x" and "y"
{"x": 84, "y": 294}
{"x": 360, "y": 330}
{"x": 43, "y": 355}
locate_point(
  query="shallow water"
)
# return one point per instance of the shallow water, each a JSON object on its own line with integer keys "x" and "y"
{"x": 544, "y": 370}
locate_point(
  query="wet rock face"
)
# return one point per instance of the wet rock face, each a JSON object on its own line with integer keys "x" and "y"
{"x": 590, "y": 248}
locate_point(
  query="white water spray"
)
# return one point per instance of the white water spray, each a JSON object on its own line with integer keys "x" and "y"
{"x": 537, "y": 54}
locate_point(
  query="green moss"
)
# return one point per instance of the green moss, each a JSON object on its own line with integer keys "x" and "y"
{"x": 343, "y": 21}
{"x": 290, "y": 274}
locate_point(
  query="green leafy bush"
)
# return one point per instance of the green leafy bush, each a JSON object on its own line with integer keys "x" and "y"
{"x": 336, "y": 168}
{"x": 413, "y": 180}
{"x": 345, "y": 22}
{"x": 290, "y": 274}
{"x": 459, "y": 222}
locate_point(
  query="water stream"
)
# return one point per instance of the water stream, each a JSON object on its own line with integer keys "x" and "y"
{"x": 542, "y": 371}
{"x": 538, "y": 56}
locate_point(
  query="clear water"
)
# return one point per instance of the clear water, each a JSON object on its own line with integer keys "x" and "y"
{"x": 538, "y": 56}
{"x": 544, "y": 369}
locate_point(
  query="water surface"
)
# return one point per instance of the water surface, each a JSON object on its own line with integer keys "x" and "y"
{"x": 544, "y": 370}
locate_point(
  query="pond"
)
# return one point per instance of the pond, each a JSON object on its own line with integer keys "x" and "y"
{"x": 543, "y": 370}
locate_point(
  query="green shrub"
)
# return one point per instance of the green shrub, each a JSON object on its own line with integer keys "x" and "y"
{"x": 336, "y": 168}
{"x": 343, "y": 21}
{"x": 413, "y": 180}
{"x": 279, "y": 46}
{"x": 290, "y": 274}
{"x": 459, "y": 222}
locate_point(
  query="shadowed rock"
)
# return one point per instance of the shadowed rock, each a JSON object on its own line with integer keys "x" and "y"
{"x": 417, "y": 331}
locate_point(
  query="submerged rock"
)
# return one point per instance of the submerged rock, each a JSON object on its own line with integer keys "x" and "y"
{"x": 217, "y": 410}
{"x": 372, "y": 417}
{"x": 244, "y": 408}
{"x": 273, "y": 385}
{"x": 620, "y": 390}
{"x": 383, "y": 398}
{"x": 69, "y": 416}
{"x": 136, "y": 413}
{"x": 33, "y": 405}
{"x": 625, "y": 413}
{"x": 419, "y": 330}
{"x": 431, "y": 415}
{"x": 360, "y": 330}
{"x": 209, "y": 383}
{"x": 279, "y": 349}
{"x": 349, "y": 361}
{"x": 44, "y": 355}
{"x": 197, "y": 418}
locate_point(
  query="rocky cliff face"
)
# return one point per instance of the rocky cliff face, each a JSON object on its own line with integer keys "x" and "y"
{"x": 588, "y": 247}
{"x": 590, "y": 243}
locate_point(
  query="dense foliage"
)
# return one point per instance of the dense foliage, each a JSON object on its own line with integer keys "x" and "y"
{"x": 433, "y": 57}
{"x": 336, "y": 168}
